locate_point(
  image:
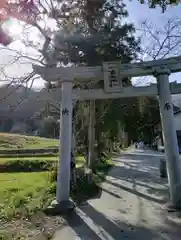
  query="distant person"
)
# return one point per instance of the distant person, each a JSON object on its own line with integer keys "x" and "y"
{"x": 141, "y": 144}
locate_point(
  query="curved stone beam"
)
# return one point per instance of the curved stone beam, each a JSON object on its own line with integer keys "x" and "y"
{"x": 96, "y": 73}
{"x": 150, "y": 67}
{"x": 69, "y": 73}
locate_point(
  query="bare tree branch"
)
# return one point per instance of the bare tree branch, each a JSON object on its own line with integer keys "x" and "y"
{"x": 161, "y": 42}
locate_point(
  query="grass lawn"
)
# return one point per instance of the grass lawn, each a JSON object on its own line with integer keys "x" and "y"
{"x": 28, "y": 164}
{"x": 22, "y": 194}
{"x": 17, "y": 141}
{"x": 41, "y": 158}
{"x": 22, "y": 198}
{"x": 79, "y": 159}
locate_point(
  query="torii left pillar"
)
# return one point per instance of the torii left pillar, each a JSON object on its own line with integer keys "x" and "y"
{"x": 63, "y": 203}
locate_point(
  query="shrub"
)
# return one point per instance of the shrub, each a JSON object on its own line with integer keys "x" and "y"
{"x": 26, "y": 166}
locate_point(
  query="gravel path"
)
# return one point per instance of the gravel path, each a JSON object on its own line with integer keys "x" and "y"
{"x": 129, "y": 207}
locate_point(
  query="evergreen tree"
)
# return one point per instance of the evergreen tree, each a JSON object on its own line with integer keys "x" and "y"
{"x": 90, "y": 32}
{"x": 161, "y": 3}
{"x": 96, "y": 31}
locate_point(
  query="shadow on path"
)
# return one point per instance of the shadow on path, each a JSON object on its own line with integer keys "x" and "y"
{"x": 139, "y": 194}
{"x": 143, "y": 173}
{"x": 81, "y": 228}
{"x": 108, "y": 229}
{"x": 134, "y": 176}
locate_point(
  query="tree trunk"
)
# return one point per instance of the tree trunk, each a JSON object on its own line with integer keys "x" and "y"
{"x": 91, "y": 134}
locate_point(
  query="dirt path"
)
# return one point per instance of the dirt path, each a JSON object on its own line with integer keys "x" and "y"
{"x": 129, "y": 207}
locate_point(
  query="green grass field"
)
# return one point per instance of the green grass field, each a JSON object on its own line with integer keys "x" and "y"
{"x": 6, "y": 159}
{"x": 80, "y": 160}
{"x": 22, "y": 194}
{"x": 17, "y": 141}
{"x": 25, "y": 191}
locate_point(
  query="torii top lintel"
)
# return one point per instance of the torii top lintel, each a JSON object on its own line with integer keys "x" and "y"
{"x": 96, "y": 73}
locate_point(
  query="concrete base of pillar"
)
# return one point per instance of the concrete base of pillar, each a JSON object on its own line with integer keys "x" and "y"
{"x": 173, "y": 207}
{"x": 63, "y": 207}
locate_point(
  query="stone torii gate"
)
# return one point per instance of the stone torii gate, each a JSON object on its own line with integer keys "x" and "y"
{"x": 112, "y": 73}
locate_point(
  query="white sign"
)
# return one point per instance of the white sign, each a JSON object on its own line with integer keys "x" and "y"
{"x": 112, "y": 80}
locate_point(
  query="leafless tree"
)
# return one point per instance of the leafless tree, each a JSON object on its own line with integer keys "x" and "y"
{"x": 28, "y": 48}
{"x": 159, "y": 42}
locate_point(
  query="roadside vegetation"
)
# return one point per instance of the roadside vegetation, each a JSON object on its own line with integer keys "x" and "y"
{"x": 28, "y": 185}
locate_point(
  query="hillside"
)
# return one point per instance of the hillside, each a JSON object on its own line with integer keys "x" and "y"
{"x": 23, "y": 103}
{"x": 16, "y": 141}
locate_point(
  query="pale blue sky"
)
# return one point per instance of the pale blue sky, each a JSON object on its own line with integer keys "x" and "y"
{"x": 137, "y": 14}
{"x": 140, "y": 12}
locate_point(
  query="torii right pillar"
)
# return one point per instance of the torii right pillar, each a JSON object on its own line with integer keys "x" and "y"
{"x": 173, "y": 160}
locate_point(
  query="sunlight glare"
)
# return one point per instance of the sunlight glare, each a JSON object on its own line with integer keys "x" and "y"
{"x": 14, "y": 28}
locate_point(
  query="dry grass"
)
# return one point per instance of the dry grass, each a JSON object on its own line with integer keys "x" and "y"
{"x": 21, "y": 194}
{"x": 22, "y": 198}
{"x": 17, "y": 141}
